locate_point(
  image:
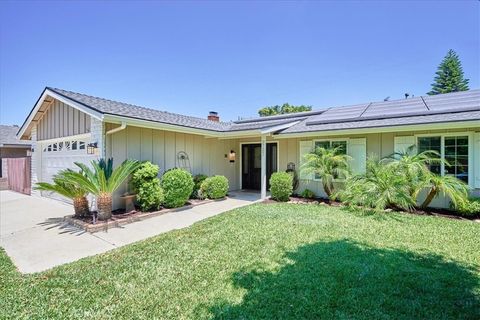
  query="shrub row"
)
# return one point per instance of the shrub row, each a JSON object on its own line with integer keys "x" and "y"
{"x": 174, "y": 188}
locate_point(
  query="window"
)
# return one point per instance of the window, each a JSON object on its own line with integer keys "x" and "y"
{"x": 341, "y": 144}
{"x": 455, "y": 154}
{"x": 431, "y": 144}
{"x": 332, "y": 144}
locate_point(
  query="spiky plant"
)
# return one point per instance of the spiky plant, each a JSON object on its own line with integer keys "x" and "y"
{"x": 327, "y": 164}
{"x": 414, "y": 166}
{"x": 97, "y": 183}
{"x": 455, "y": 189}
{"x": 379, "y": 188}
{"x": 65, "y": 187}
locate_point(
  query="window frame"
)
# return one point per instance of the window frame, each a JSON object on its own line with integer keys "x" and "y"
{"x": 347, "y": 140}
{"x": 442, "y": 136}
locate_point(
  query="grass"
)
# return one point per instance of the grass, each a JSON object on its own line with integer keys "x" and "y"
{"x": 274, "y": 261}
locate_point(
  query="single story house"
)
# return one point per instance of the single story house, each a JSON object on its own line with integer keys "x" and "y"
{"x": 64, "y": 127}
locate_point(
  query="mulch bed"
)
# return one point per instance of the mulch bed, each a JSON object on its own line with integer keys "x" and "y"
{"x": 120, "y": 217}
{"x": 444, "y": 213}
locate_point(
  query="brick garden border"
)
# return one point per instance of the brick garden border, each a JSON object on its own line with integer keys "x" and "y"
{"x": 104, "y": 226}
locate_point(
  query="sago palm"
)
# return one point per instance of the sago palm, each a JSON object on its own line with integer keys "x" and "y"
{"x": 65, "y": 187}
{"x": 327, "y": 164}
{"x": 449, "y": 186}
{"x": 97, "y": 183}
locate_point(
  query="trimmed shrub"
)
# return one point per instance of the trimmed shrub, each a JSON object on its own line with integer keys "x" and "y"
{"x": 294, "y": 178}
{"x": 147, "y": 186}
{"x": 308, "y": 194}
{"x": 215, "y": 187}
{"x": 197, "y": 183}
{"x": 177, "y": 186}
{"x": 281, "y": 186}
{"x": 469, "y": 208}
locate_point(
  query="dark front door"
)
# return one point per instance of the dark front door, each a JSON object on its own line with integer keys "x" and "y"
{"x": 252, "y": 164}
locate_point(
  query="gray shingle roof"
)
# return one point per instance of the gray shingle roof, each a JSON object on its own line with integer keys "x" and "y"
{"x": 458, "y": 106}
{"x": 132, "y": 111}
{"x": 451, "y": 107}
{"x": 8, "y": 136}
{"x": 390, "y": 122}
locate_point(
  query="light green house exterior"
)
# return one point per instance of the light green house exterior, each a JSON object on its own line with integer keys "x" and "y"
{"x": 62, "y": 124}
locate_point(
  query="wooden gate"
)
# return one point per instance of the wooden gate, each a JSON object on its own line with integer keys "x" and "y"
{"x": 19, "y": 174}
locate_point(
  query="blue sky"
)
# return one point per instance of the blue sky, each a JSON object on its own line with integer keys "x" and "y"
{"x": 232, "y": 57}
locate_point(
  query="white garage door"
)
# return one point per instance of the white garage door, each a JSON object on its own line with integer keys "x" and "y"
{"x": 61, "y": 155}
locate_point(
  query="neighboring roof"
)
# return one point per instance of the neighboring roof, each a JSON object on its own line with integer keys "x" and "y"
{"x": 132, "y": 111}
{"x": 450, "y": 107}
{"x": 8, "y": 137}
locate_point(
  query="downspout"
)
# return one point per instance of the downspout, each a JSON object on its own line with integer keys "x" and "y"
{"x": 123, "y": 125}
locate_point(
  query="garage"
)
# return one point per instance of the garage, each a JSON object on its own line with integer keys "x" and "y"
{"x": 62, "y": 154}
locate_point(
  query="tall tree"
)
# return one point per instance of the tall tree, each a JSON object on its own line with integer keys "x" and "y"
{"x": 449, "y": 76}
{"x": 285, "y": 108}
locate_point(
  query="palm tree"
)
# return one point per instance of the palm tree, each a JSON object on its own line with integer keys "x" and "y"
{"x": 414, "y": 166}
{"x": 63, "y": 186}
{"x": 448, "y": 185}
{"x": 327, "y": 164}
{"x": 97, "y": 183}
{"x": 379, "y": 188}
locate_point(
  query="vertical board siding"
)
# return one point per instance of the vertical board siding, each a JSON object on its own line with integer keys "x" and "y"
{"x": 61, "y": 120}
{"x": 207, "y": 155}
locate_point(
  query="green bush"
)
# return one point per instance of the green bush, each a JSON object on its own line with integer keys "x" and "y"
{"x": 469, "y": 208}
{"x": 308, "y": 194}
{"x": 177, "y": 186}
{"x": 295, "y": 181}
{"x": 147, "y": 186}
{"x": 197, "y": 183}
{"x": 281, "y": 186}
{"x": 215, "y": 187}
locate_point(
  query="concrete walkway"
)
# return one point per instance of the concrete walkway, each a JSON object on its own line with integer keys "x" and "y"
{"x": 36, "y": 239}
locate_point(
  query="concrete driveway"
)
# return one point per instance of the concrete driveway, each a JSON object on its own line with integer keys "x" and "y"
{"x": 36, "y": 239}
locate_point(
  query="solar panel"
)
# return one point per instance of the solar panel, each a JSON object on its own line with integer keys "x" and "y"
{"x": 418, "y": 106}
{"x": 379, "y": 109}
{"x": 339, "y": 113}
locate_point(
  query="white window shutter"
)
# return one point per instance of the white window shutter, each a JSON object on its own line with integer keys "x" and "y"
{"x": 476, "y": 159}
{"x": 305, "y": 147}
{"x": 357, "y": 149}
{"x": 403, "y": 143}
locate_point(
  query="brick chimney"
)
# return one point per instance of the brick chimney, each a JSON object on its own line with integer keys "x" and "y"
{"x": 213, "y": 116}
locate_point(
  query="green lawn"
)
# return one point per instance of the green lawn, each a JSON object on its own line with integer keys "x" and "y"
{"x": 274, "y": 261}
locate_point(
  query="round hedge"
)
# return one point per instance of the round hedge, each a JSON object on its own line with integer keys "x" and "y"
{"x": 147, "y": 186}
{"x": 281, "y": 186}
{"x": 215, "y": 187}
{"x": 177, "y": 187}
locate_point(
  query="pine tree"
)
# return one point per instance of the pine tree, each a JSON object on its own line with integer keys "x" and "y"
{"x": 449, "y": 76}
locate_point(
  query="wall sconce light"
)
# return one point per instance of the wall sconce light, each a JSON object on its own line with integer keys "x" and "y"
{"x": 291, "y": 166}
{"x": 91, "y": 147}
{"x": 30, "y": 152}
{"x": 231, "y": 156}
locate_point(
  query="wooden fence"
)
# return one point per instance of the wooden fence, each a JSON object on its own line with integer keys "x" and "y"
{"x": 19, "y": 174}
